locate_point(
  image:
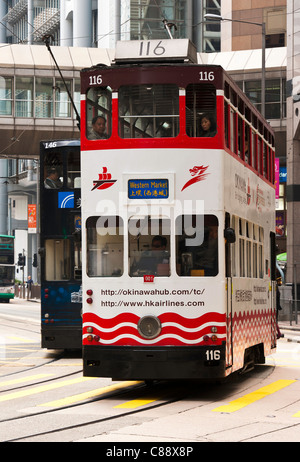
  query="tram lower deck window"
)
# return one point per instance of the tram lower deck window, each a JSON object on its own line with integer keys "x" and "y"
{"x": 197, "y": 245}
{"x": 148, "y": 111}
{"x": 58, "y": 260}
{"x": 149, "y": 246}
{"x": 105, "y": 246}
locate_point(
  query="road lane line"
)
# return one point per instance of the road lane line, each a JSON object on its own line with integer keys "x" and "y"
{"x": 135, "y": 403}
{"x": 256, "y": 395}
{"x": 42, "y": 388}
{"x": 89, "y": 394}
{"x": 20, "y": 339}
{"x": 24, "y": 379}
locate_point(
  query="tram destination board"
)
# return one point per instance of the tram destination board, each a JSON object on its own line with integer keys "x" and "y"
{"x": 148, "y": 189}
{"x": 156, "y": 50}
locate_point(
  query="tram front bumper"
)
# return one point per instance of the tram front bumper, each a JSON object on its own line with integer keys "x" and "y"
{"x": 142, "y": 363}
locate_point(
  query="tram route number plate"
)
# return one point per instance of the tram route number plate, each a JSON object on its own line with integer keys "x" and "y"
{"x": 148, "y": 189}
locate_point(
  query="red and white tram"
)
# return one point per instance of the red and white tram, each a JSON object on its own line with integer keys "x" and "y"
{"x": 178, "y": 218}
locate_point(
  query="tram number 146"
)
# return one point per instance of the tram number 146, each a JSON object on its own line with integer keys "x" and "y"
{"x": 213, "y": 355}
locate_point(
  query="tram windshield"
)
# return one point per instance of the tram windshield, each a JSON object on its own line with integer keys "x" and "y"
{"x": 148, "y": 111}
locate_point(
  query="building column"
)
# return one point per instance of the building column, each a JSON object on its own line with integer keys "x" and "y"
{"x": 66, "y": 24}
{"x": 3, "y": 11}
{"x": 82, "y": 23}
{"x": 293, "y": 149}
{"x": 3, "y": 197}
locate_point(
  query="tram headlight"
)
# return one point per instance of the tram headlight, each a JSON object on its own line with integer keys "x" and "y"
{"x": 149, "y": 327}
{"x": 214, "y": 329}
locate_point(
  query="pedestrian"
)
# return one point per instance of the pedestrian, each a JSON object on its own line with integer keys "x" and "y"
{"x": 29, "y": 284}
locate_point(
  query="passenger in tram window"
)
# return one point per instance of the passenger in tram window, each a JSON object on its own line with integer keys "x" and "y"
{"x": 154, "y": 261}
{"x": 98, "y": 129}
{"x": 208, "y": 125}
{"x": 52, "y": 181}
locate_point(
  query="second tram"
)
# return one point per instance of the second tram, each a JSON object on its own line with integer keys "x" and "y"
{"x": 7, "y": 268}
{"x": 60, "y": 246}
{"x": 178, "y": 208}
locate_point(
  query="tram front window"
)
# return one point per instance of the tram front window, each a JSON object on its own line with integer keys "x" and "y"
{"x": 201, "y": 110}
{"x": 149, "y": 246}
{"x": 197, "y": 245}
{"x": 148, "y": 111}
{"x": 58, "y": 259}
{"x": 105, "y": 246}
{"x": 98, "y": 117}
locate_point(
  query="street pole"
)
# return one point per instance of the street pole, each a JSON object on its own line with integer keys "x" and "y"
{"x": 217, "y": 17}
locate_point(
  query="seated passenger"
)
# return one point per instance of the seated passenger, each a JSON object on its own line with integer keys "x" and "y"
{"x": 52, "y": 181}
{"x": 98, "y": 129}
{"x": 208, "y": 125}
{"x": 154, "y": 261}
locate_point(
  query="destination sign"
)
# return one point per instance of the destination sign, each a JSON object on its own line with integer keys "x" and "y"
{"x": 148, "y": 189}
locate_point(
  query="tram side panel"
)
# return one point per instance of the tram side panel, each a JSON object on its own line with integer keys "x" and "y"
{"x": 251, "y": 316}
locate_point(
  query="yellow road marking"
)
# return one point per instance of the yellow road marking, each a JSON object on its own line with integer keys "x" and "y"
{"x": 20, "y": 339}
{"x": 24, "y": 379}
{"x": 42, "y": 388}
{"x": 135, "y": 403}
{"x": 88, "y": 394}
{"x": 254, "y": 396}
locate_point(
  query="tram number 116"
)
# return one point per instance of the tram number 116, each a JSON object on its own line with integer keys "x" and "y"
{"x": 213, "y": 355}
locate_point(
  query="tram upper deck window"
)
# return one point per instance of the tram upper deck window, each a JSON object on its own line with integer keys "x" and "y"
{"x": 98, "y": 117}
{"x": 53, "y": 171}
{"x": 201, "y": 110}
{"x": 148, "y": 111}
{"x": 73, "y": 169}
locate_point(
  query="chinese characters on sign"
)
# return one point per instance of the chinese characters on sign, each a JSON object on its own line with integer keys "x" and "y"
{"x": 148, "y": 189}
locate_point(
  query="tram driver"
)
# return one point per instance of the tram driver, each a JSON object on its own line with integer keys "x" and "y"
{"x": 154, "y": 261}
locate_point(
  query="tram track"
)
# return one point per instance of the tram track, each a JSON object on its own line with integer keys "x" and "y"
{"x": 179, "y": 392}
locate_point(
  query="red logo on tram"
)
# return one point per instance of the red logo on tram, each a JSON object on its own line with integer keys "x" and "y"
{"x": 104, "y": 180}
{"x": 198, "y": 174}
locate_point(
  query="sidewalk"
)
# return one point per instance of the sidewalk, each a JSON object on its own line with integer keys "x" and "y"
{"x": 291, "y": 332}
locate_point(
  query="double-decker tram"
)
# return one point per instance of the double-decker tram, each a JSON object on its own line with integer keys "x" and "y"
{"x": 60, "y": 244}
{"x": 178, "y": 209}
{"x": 7, "y": 268}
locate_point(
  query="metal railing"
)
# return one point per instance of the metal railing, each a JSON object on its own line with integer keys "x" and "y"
{"x": 290, "y": 311}
{"x": 22, "y": 291}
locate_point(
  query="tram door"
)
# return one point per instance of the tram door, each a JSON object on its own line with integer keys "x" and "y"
{"x": 229, "y": 290}
{"x": 273, "y": 289}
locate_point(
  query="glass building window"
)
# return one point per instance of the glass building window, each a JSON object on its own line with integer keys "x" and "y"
{"x": 6, "y": 95}
{"x": 275, "y": 96}
{"x": 146, "y": 18}
{"x": 24, "y": 97}
{"x": 62, "y": 100}
{"x": 43, "y": 97}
